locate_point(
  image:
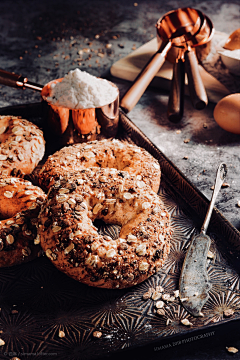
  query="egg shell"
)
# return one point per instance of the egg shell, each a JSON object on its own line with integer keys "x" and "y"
{"x": 227, "y": 113}
{"x": 233, "y": 42}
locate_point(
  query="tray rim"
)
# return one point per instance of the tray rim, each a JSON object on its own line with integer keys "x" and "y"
{"x": 32, "y": 108}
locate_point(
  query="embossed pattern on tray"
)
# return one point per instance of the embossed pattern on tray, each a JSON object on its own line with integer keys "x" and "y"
{"x": 38, "y": 302}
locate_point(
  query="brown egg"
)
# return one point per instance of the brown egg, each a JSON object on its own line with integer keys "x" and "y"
{"x": 227, "y": 113}
{"x": 233, "y": 42}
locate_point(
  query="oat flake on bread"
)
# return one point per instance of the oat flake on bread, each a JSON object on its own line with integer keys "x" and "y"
{"x": 80, "y": 90}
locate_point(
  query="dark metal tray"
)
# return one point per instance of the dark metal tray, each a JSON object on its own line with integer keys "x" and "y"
{"x": 38, "y": 301}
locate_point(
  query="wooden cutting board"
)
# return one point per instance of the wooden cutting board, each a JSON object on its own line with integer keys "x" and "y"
{"x": 129, "y": 67}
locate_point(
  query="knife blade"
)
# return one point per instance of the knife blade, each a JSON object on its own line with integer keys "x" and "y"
{"x": 194, "y": 284}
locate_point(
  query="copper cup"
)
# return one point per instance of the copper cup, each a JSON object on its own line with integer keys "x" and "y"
{"x": 67, "y": 126}
{"x": 64, "y": 126}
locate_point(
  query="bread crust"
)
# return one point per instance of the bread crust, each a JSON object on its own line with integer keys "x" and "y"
{"x": 22, "y": 146}
{"x": 105, "y": 154}
{"x": 19, "y": 208}
{"x": 71, "y": 241}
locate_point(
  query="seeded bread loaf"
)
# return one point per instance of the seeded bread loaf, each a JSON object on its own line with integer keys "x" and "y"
{"x": 71, "y": 241}
{"x": 105, "y": 154}
{"x": 22, "y": 146}
{"x": 19, "y": 208}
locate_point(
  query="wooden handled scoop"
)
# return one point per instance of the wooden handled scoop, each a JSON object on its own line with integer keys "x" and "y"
{"x": 194, "y": 285}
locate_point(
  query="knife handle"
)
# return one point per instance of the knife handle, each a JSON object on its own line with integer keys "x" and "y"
{"x": 220, "y": 177}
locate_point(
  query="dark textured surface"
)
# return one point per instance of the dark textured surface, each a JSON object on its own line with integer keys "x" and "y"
{"x": 41, "y": 40}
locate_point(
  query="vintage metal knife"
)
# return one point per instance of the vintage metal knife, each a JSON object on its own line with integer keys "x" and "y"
{"x": 194, "y": 284}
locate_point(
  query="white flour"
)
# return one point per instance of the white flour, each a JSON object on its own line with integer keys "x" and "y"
{"x": 80, "y": 90}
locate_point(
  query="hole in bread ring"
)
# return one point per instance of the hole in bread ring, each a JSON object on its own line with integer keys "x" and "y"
{"x": 70, "y": 239}
{"x": 105, "y": 154}
{"x": 19, "y": 208}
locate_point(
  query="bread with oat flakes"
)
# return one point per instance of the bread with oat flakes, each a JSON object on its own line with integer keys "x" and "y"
{"x": 22, "y": 146}
{"x": 19, "y": 208}
{"x": 107, "y": 153}
{"x": 71, "y": 241}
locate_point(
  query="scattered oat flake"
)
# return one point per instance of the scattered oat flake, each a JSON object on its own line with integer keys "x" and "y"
{"x": 135, "y": 4}
{"x": 156, "y": 295}
{"x": 97, "y": 334}
{"x": 108, "y": 46}
{"x": 178, "y": 131}
{"x": 186, "y": 141}
{"x": 205, "y": 126}
{"x": 238, "y": 203}
{"x": 186, "y": 322}
{"x": 210, "y": 255}
{"x": 147, "y": 295}
{"x": 225, "y": 185}
{"x": 185, "y": 157}
{"x": 61, "y": 334}
{"x": 228, "y": 312}
{"x": 160, "y": 312}
{"x": 101, "y": 55}
{"x": 159, "y": 304}
{"x": 2, "y": 342}
{"x": 166, "y": 297}
{"x": 176, "y": 293}
{"x": 232, "y": 349}
{"x": 133, "y": 47}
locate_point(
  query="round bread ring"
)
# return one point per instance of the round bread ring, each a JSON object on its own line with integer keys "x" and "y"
{"x": 22, "y": 146}
{"x": 19, "y": 207}
{"x": 106, "y": 154}
{"x": 70, "y": 239}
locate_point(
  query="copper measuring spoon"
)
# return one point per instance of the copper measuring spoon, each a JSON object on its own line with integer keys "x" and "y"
{"x": 174, "y": 28}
